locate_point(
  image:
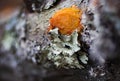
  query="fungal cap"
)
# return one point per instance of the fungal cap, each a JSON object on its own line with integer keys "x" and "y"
{"x": 67, "y": 20}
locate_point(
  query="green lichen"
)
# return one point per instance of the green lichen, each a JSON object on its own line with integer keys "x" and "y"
{"x": 62, "y": 50}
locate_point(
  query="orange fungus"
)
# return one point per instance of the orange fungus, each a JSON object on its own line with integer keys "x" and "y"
{"x": 67, "y": 20}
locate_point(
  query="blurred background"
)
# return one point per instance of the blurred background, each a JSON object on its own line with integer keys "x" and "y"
{"x": 22, "y": 26}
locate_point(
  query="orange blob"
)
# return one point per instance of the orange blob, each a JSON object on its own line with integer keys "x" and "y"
{"x": 67, "y": 20}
